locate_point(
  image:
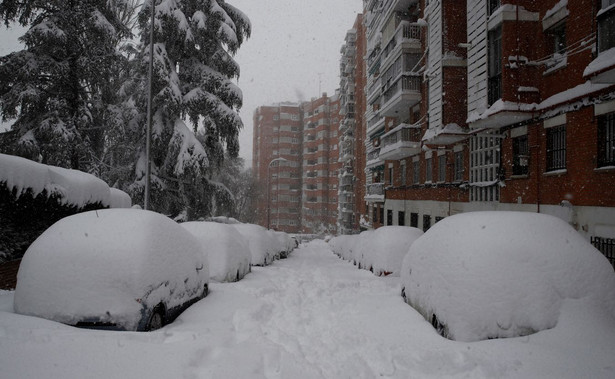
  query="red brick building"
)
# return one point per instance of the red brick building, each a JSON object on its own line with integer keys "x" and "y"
{"x": 491, "y": 105}
{"x": 295, "y": 161}
{"x": 351, "y": 208}
{"x": 276, "y": 161}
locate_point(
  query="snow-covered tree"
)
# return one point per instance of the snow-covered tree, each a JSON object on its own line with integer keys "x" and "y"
{"x": 194, "y": 70}
{"x": 59, "y": 88}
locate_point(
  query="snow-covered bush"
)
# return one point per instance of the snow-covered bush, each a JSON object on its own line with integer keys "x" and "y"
{"x": 119, "y": 199}
{"x": 111, "y": 266}
{"x": 488, "y": 275}
{"x": 226, "y": 249}
{"x": 261, "y": 241}
{"x": 33, "y": 196}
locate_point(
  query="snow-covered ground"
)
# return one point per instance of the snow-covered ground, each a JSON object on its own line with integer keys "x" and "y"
{"x": 312, "y": 315}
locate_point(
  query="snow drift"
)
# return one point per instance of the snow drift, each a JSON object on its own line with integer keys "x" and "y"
{"x": 488, "y": 275}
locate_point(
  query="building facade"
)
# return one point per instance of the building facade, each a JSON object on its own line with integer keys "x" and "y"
{"x": 295, "y": 162}
{"x": 491, "y": 105}
{"x": 277, "y": 165}
{"x": 351, "y": 209}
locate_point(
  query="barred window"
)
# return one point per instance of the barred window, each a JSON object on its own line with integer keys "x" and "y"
{"x": 459, "y": 166}
{"x": 606, "y": 140}
{"x": 556, "y": 148}
{"x": 520, "y": 155}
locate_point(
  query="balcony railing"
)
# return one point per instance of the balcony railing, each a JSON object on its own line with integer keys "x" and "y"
{"x": 404, "y": 83}
{"x": 375, "y": 189}
{"x": 403, "y": 143}
{"x": 405, "y": 31}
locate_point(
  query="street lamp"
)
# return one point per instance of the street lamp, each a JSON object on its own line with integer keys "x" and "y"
{"x": 269, "y": 189}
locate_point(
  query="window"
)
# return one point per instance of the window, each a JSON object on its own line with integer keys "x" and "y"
{"x": 375, "y": 214}
{"x": 428, "y": 170}
{"x": 484, "y": 168}
{"x": 459, "y": 166}
{"x": 390, "y": 177}
{"x": 520, "y": 155}
{"x": 389, "y": 217}
{"x": 381, "y": 214}
{"x": 426, "y": 222}
{"x": 558, "y": 38}
{"x": 492, "y": 5}
{"x": 439, "y": 218}
{"x": 414, "y": 220}
{"x": 494, "y": 69}
{"x": 442, "y": 168}
{"x": 416, "y": 172}
{"x": 401, "y": 218}
{"x": 606, "y": 140}
{"x": 403, "y": 172}
{"x": 606, "y": 27}
{"x": 556, "y": 148}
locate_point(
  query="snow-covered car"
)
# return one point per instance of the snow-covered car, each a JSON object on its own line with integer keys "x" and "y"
{"x": 122, "y": 269}
{"x": 261, "y": 241}
{"x": 227, "y": 251}
{"x": 388, "y": 246}
{"x": 285, "y": 244}
{"x": 380, "y": 251}
{"x": 484, "y": 275}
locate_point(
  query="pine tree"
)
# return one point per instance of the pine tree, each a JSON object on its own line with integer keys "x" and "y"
{"x": 194, "y": 69}
{"x": 59, "y": 88}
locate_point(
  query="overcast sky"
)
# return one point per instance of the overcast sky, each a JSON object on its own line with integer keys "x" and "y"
{"x": 294, "y": 45}
{"x": 293, "y": 52}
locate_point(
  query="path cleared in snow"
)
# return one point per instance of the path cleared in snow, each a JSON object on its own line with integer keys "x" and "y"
{"x": 309, "y": 316}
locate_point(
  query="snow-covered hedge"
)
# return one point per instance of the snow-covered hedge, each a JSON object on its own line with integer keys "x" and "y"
{"x": 33, "y": 196}
{"x": 488, "y": 275}
{"x": 380, "y": 251}
{"x": 228, "y": 252}
{"x": 110, "y": 265}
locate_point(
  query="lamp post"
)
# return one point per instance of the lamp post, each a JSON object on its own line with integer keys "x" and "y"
{"x": 148, "y": 132}
{"x": 269, "y": 189}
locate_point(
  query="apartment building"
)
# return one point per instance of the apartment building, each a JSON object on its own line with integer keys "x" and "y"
{"x": 491, "y": 105}
{"x": 295, "y": 161}
{"x": 320, "y": 165}
{"x": 351, "y": 209}
{"x": 277, "y": 165}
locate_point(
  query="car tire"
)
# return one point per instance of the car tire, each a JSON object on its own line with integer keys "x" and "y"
{"x": 156, "y": 320}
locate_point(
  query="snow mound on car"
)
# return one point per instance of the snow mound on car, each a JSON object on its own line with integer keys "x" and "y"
{"x": 502, "y": 274}
{"x": 381, "y": 250}
{"x": 227, "y": 250}
{"x": 101, "y": 262}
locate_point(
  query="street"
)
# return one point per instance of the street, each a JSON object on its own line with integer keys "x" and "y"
{"x": 309, "y": 316}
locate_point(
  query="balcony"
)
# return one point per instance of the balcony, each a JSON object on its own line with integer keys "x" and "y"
{"x": 374, "y": 192}
{"x": 407, "y": 37}
{"x": 373, "y": 159}
{"x": 403, "y": 141}
{"x": 400, "y": 96}
{"x": 375, "y": 124}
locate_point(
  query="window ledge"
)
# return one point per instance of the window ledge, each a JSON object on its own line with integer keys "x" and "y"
{"x": 524, "y": 176}
{"x": 555, "y": 172}
{"x": 605, "y": 169}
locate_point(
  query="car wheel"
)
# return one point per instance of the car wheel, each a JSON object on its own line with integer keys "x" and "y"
{"x": 156, "y": 321}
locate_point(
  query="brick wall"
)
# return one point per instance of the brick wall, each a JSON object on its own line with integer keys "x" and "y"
{"x": 8, "y": 274}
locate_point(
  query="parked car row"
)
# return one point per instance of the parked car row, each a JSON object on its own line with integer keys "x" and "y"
{"x": 380, "y": 251}
{"x": 130, "y": 269}
{"x": 484, "y": 275}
